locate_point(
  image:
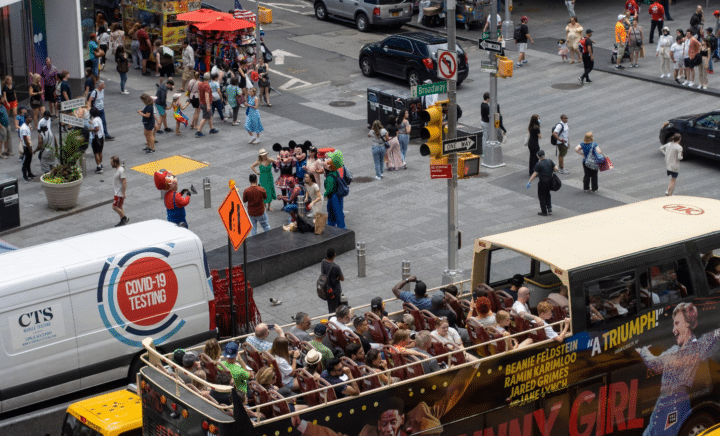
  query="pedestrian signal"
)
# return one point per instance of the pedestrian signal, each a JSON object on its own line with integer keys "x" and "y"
{"x": 468, "y": 165}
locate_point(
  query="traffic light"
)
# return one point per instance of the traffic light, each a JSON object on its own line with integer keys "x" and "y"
{"x": 468, "y": 165}
{"x": 432, "y": 133}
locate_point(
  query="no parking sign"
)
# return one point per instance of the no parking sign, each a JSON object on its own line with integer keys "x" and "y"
{"x": 447, "y": 65}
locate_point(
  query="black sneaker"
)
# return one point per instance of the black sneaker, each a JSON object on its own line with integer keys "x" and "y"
{"x": 168, "y": 129}
{"x": 159, "y": 132}
{"x": 549, "y": 211}
{"x": 148, "y": 150}
{"x": 26, "y": 178}
{"x": 588, "y": 80}
{"x": 109, "y": 138}
{"x": 542, "y": 214}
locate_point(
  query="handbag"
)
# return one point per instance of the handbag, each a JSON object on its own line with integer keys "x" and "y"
{"x": 599, "y": 158}
{"x": 527, "y": 140}
{"x": 642, "y": 51}
{"x": 556, "y": 183}
{"x": 606, "y": 165}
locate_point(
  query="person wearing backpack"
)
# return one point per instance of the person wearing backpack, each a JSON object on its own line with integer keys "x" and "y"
{"x": 712, "y": 44}
{"x": 586, "y": 48}
{"x": 560, "y": 138}
{"x": 333, "y": 276}
{"x": 336, "y": 189}
{"x": 521, "y": 36}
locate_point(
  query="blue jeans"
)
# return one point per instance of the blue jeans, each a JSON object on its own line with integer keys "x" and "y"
{"x": 102, "y": 117}
{"x": 262, "y": 219}
{"x": 96, "y": 66}
{"x": 123, "y": 81}
{"x": 710, "y": 64}
{"x": 378, "y": 152}
{"x": 219, "y": 105}
{"x": 404, "y": 141}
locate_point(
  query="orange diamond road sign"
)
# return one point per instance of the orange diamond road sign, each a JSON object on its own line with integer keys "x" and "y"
{"x": 235, "y": 217}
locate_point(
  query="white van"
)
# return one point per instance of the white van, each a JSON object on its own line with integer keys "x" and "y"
{"x": 73, "y": 313}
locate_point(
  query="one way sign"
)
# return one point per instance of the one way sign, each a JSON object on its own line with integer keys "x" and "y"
{"x": 460, "y": 145}
{"x": 490, "y": 45}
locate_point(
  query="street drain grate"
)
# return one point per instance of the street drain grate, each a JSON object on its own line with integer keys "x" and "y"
{"x": 342, "y": 103}
{"x": 363, "y": 179}
{"x": 566, "y": 86}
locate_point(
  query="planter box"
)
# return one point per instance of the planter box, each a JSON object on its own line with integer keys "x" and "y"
{"x": 62, "y": 196}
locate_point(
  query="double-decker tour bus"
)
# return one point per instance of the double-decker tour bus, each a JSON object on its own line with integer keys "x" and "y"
{"x": 641, "y": 283}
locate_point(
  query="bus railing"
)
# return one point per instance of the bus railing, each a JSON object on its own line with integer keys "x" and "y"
{"x": 154, "y": 358}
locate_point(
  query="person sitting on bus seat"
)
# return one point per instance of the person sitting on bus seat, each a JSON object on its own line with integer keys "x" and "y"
{"x": 178, "y": 356}
{"x": 378, "y": 307}
{"x": 201, "y": 387}
{"x": 313, "y": 363}
{"x": 287, "y": 362}
{"x": 560, "y": 297}
{"x": 439, "y": 308}
{"x": 520, "y": 306}
{"x": 502, "y": 319}
{"x": 302, "y": 323}
{"x": 191, "y": 363}
{"x": 451, "y": 289}
{"x": 355, "y": 352}
{"x": 418, "y": 298}
{"x": 362, "y": 331}
{"x": 343, "y": 316}
{"x": 423, "y": 341}
{"x": 515, "y": 284}
{"x": 374, "y": 360}
{"x": 336, "y": 374}
{"x": 482, "y": 312}
{"x": 239, "y": 373}
{"x": 212, "y": 349}
{"x": 407, "y": 323}
{"x": 544, "y": 313}
{"x": 595, "y": 315}
{"x": 223, "y": 379}
{"x": 483, "y": 290}
{"x": 259, "y": 339}
{"x": 446, "y": 334}
{"x": 320, "y": 330}
{"x": 616, "y": 298}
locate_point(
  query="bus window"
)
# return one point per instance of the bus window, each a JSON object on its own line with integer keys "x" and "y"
{"x": 610, "y": 297}
{"x": 671, "y": 281}
{"x": 711, "y": 260}
{"x": 506, "y": 263}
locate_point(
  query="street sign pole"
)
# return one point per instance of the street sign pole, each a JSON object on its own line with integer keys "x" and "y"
{"x": 452, "y": 273}
{"x": 492, "y": 151}
{"x": 233, "y": 322}
{"x": 247, "y": 309}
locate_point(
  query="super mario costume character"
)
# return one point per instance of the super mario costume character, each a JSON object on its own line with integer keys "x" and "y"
{"x": 336, "y": 216}
{"x": 175, "y": 202}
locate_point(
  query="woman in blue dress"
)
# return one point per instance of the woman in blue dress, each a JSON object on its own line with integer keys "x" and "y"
{"x": 252, "y": 121}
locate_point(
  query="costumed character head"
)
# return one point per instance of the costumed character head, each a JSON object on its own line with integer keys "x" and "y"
{"x": 300, "y": 150}
{"x": 322, "y": 152}
{"x": 284, "y": 153}
{"x": 165, "y": 181}
{"x": 335, "y": 160}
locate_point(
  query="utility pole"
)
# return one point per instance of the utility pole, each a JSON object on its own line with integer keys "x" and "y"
{"x": 452, "y": 273}
{"x": 492, "y": 150}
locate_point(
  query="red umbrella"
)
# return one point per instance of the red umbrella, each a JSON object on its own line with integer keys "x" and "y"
{"x": 202, "y": 16}
{"x": 224, "y": 24}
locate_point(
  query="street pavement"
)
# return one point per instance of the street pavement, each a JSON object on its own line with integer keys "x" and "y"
{"x": 402, "y": 217}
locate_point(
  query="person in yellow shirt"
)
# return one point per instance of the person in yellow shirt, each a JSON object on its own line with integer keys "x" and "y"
{"x": 620, "y": 37}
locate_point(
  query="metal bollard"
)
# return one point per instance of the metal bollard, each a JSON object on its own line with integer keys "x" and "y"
{"x": 301, "y": 206}
{"x": 83, "y": 164}
{"x": 405, "y": 271}
{"x": 361, "y": 259}
{"x": 206, "y": 190}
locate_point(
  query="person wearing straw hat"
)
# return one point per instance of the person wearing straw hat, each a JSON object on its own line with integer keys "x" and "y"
{"x": 263, "y": 167}
{"x": 663, "y": 51}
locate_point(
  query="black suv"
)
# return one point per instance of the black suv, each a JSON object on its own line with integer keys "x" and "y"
{"x": 411, "y": 56}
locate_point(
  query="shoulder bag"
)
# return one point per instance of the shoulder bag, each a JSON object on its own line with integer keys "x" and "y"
{"x": 556, "y": 183}
{"x": 591, "y": 159}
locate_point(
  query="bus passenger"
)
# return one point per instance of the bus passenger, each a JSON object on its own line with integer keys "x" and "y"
{"x": 503, "y": 321}
{"x": 422, "y": 345}
{"x": 374, "y": 360}
{"x": 545, "y": 313}
{"x": 560, "y": 297}
{"x": 320, "y": 330}
{"x": 223, "y": 379}
{"x": 515, "y": 284}
{"x": 281, "y": 351}
{"x": 446, "y": 334}
{"x": 332, "y": 375}
{"x": 483, "y": 313}
{"x": 212, "y": 349}
{"x": 356, "y": 353}
{"x": 419, "y": 298}
{"x": 520, "y": 306}
{"x": 237, "y": 369}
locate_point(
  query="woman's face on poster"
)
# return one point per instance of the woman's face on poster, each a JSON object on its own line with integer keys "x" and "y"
{"x": 681, "y": 329}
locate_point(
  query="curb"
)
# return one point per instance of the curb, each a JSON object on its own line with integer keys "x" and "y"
{"x": 65, "y": 215}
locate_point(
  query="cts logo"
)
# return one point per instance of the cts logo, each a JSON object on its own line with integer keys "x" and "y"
{"x": 683, "y": 209}
{"x": 136, "y": 295}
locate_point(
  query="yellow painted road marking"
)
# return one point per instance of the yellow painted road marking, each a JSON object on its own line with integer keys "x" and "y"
{"x": 174, "y": 164}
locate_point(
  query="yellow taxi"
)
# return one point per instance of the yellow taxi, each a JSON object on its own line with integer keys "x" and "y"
{"x": 115, "y": 414}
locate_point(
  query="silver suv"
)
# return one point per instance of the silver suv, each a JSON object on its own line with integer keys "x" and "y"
{"x": 366, "y": 13}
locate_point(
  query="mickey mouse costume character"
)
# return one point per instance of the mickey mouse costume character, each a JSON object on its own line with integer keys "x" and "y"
{"x": 175, "y": 202}
{"x": 300, "y": 158}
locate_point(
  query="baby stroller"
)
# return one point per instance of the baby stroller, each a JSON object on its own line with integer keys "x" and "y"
{"x": 626, "y": 55}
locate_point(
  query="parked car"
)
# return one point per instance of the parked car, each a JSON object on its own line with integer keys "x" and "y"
{"x": 700, "y": 134}
{"x": 366, "y": 13}
{"x": 411, "y": 56}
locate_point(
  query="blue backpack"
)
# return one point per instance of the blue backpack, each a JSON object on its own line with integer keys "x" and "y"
{"x": 342, "y": 187}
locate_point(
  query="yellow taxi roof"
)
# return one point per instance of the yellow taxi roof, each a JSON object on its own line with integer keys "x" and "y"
{"x": 110, "y": 414}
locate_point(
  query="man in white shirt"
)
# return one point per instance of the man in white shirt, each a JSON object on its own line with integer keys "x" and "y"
{"x": 46, "y": 141}
{"x": 188, "y": 63}
{"x": 26, "y": 144}
{"x": 342, "y": 318}
{"x": 676, "y": 54}
{"x": 119, "y": 188}
{"x": 561, "y": 134}
{"x": 520, "y": 306}
{"x": 96, "y": 99}
{"x": 97, "y": 138}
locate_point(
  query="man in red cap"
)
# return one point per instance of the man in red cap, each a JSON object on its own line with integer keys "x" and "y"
{"x": 522, "y": 35}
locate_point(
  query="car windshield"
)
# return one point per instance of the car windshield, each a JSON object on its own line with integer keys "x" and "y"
{"x": 433, "y": 48}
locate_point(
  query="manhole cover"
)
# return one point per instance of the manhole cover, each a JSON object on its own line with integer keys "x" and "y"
{"x": 566, "y": 86}
{"x": 363, "y": 179}
{"x": 342, "y": 103}
{"x": 338, "y": 59}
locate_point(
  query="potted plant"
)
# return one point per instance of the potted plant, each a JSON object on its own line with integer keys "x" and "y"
{"x": 62, "y": 184}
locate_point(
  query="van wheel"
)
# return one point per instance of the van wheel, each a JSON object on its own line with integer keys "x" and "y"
{"x": 366, "y": 66}
{"x": 320, "y": 12}
{"x": 362, "y": 23}
{"x": 696, "y": 424}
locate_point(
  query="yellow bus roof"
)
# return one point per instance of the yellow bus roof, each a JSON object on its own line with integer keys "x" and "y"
{"x": 110, "y": 414}
{"x": 612, "y": 233}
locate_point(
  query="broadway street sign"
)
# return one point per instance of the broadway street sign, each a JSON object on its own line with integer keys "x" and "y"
{"x": 429, "y": 89}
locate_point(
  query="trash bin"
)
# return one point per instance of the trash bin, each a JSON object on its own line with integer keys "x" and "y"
{"x": 387, "y": 103}
{"x": 9, "y": 202}
{"x": 373, "y": 104}
{"x": 463, "y": 130}
{"x": 403, "y": 100}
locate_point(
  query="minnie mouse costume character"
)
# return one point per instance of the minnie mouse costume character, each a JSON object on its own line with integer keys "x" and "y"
{"x": 285, "y": 164}
{"x": 175, "y": 202}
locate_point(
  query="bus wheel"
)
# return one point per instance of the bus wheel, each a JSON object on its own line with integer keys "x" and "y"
{"x": 696, "y": 424}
